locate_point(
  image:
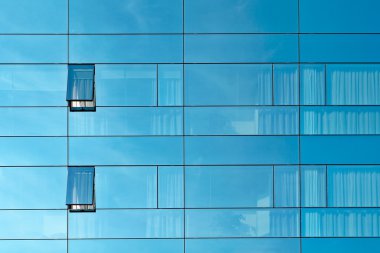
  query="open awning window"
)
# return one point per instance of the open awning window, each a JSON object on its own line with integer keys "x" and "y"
{"x": 80, "y": 189}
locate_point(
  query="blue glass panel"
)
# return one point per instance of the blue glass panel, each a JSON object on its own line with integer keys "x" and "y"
{"x": 170, "y": 85}
{"x": 33, "y": 246}
{"x": 246, "y": 245}
{"x": 38, "y": 16}
{"x": 127, "y": 121}
{"x": 126, "y": 150}
{"x": 312, "y": 84}
{"x": 33, "y": 85}
{"x": 126, "y": 187}
{"x": 242, "y": 223}
{"x": 340, "y": 245}
{"x": 129, "y": 245}
{"x": 340, "y": 222}
{"x": 340, "y": 48}
{"x": 354, "y": 186}
{"x": 340, "y": 120}
{"x": 80, "y": 83}
{"x": 227, "y": 84}
{"x": 336, "y": 16}
{"x": 80, "y": 186}
{"x": 285, "y": 84}
{"x": 286, "y": 186}
{"x": 351, "y": 84}
{"x": 230, "y": 16}
{"x": 123, "y": 85}
{"x": 241, "y": 150}
{"x": 340, "y": 149}
{"x": 33, "y": 49}
{"x": 241, "y": 48}
{"x": 33, "y": 151}
{"x": 313, "y": 186}
{"x": 32, "y": 121}
{"x": 32, "y": 187}
{"x": 130, "y": 49}
{"x": 124, "y": 16}
{"x": 141, "y": 223}
{"x": 170, "y": 187}
{"x": 229, "y": 186}
{"x": 33, "y": 224}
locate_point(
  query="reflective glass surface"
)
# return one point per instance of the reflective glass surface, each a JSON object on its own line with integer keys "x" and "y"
{"x": 334, "y": 245}
{"x": 285, "y": 83}
{"x": 170, "y": 186}
{"x": 170, "y": 85}
{"x": 80, "y": 186}
{"x": 80, "y": 83}
{"x": 33, "y": 246}
{"x": 313, "y": 186}
{"x": 312, "y": 84}
{"x": 286, "y": 186}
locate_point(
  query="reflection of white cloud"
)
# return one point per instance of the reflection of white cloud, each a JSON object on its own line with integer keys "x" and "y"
{"x": 258, "y": 223}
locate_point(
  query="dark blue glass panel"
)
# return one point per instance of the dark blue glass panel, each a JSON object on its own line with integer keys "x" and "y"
{"x": 340, "y": 149}
{"x": 33, "y": 246}
{"x": 286, "y": 186}
{"x": 80, "y": 186}
{"x": 340, "y": 48}
{"x": 170, "y": 186}
{"x": 241, "y": 150}
{"x": 340, "y": 245}
{"x": 170, "y": 85}
{"x": 285, "y": 84}
{"x": 313, "y": 186}
{"x": 80, "y": 83}
{"x": 228, "y": 84}
{"x": 240, "y": 48}
{"x": 130, "y": 49}
{"x": 229, "y": 186}
{"x": 312, "y": 84}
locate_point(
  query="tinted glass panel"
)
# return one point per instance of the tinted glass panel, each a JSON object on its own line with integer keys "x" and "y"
{"x": 286, "y": 186}
{"x": 313, "y": 186}
{"x": 313, "y": 84}
{"x": 170, "y": 84}
{"x": 285, "y": 83}
{"x": 80, "y": 186}
{"x": 33, "y": 246}
{"x": 80, "y": 84}
{"x": 170, "y": 186}
{"x": 340, "y": 245}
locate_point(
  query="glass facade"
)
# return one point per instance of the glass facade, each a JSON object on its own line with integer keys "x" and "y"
{"x": 219, "y": 126}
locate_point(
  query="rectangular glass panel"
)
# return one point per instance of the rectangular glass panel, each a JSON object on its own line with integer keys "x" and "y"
{"x": 312, "y": 84}
{"x": 241, "y": 48}
{"x": 125, "y": 49}
{"x": 354, "y": 186}
{"x": 170, "y": 85}
{"x": 245, "y": 223}
{"x": 33, "y": 246}
{"x": 126, "y": 187}
{"x": 80, "y": 186}
{"x": 127, "y": 224}
{"x": 313, "y": 186}
{"x": 228, "y": 84}
{"x": 285, "y": 84}
{"x": 170, "y": 186}
{"x": 286, "y": 186}
{"x": 241, "y": 150}
{"x": 229, "y": 186}
{"x": 80, "y": 83}
{"x": 334, "y": 245}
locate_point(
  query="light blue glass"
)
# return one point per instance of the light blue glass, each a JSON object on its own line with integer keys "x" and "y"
{"x": 228, "y": 84}
{"x": 33, "y": 224}
{"x": 340, "y": 120}
{"x": 131, "y": 49}
{"x": 229, "y": 186}
{"x": 312, "y": 84}
{"x": 170, "y": 186}
{"x": 242, "y": 223}
{"x": 354, "y": 186}
{"x": 123, "y": 16}
{"x": 313, "y": 186}
{"x": 33, "y": 121}
{"x": 340, "y": 222}
{"x": 241, "y": 48}
{"x": 124, "y": 85}
{"x": 33, "y": 151}
{"x": 80, "y": 83}
{"x": 33, "y": 49}
{"x": 335, "y": 16}
{"x": 126, "y": 187}
{"x": 128, "y": 245}
{"x": 229, "y": 16}
{"x": 353, "y": 84}
{"x": 33, "y": 85}
{"x": 286, "y": 186}
{"x": 340, "y": 48}
{"x": 80, "y": 186}
{"x": 127, "y": 121}
{"x": 125, "y": 150}
{"x": 241, "y": 150}
{"x": 32, "y": 187}
{"x": 137, "y": 223}
{"x": 39, "y": 16}
{"x": 285, "y": 84}
{"x": 170, "y": 85}
{"x": 335, "y": 245}
{"x": 340, "y": 149}
{"x": 246, "y": 245}
{"x": 33, "y": 246}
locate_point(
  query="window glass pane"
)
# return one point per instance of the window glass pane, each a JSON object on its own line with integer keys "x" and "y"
{"x": 33, "y": 246}
{"x": 80, "y": 186}
{"x": 245, "y": 223}
{"x": 170, "y": 85}
{"x": 227, "y": 186}
{"x": 170, "y": 186}
{"x": 334, "y": 245}
{"x": 127, "y": 224}
{"x": 126, "y": 187}
{"x": 312, "y": 84}
{"x": 354, "y": 186}
{"x": 80, "y": 85}
{"x": 240, "y": 48}
{"x": 228, "y": 84}
{"x": 286, "y": 186}
{"x": 313, "y": 186}
{"x": 285, "y": 84}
